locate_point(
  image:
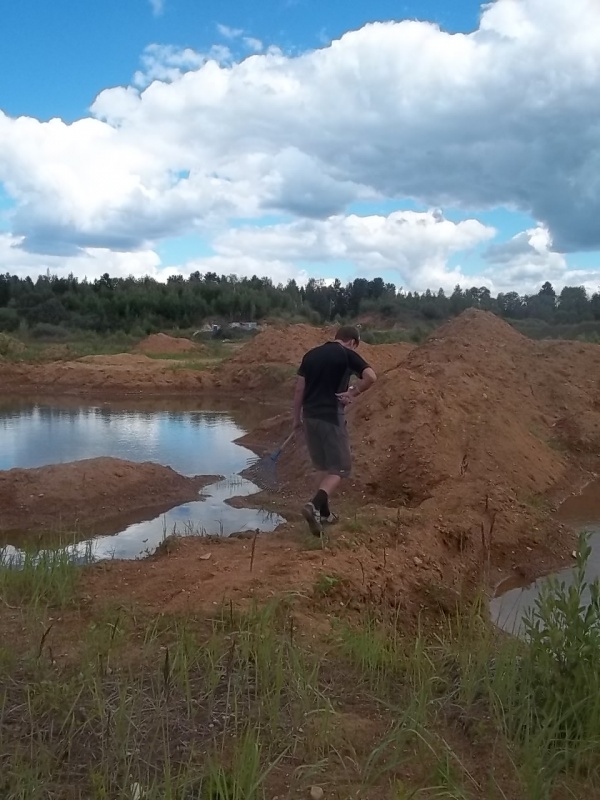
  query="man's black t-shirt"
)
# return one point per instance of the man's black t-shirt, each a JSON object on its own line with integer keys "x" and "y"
{"x": 326, "y": 370}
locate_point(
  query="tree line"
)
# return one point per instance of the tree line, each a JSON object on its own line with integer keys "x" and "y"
{"x": 50, "y": 304}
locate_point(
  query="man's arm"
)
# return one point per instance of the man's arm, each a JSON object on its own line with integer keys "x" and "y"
{"x": 367, "y": 379}
{"x": 298, "y": 398}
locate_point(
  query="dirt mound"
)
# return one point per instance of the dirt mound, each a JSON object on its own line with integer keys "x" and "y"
{"x": 469, "y": 433}
{"x": 269, "y": 361}
{"x": 161, "y": 343}
{"x": 92, "y": 494}
{"x": 122, "y": 373}
{"x": 273, "y": 356}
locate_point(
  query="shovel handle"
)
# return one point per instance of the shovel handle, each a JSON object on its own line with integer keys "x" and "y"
{"x": 278, "y": 452}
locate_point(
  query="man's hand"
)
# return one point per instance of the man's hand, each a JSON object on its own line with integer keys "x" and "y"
{"x": 346, "y": 398}
{"x": 367, "y": 380}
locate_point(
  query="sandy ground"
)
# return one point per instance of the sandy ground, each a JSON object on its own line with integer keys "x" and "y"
{"x": 462, "y": 450}
{"x": 161, "y": 344}
{"x": 93, "y": 494}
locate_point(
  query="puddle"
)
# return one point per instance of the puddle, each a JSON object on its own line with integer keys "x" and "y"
{"x": 212, "y": 516}
{"x": 512, "y": 603}
{"x": 191, "y": 440}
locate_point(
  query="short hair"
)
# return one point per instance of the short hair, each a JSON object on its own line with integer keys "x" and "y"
{"x": 348, "y": 333}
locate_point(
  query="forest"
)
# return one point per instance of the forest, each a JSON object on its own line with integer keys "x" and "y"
{"x": 51, "y": 306}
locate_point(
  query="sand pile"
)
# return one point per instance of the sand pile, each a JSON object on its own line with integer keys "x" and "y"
{"x": 469, "y": 431}
{"x": 162, "y": 344}
{"x": 273, "y": 356}
{"x": 121, "y": 373}
{"x": 89, "y": 494}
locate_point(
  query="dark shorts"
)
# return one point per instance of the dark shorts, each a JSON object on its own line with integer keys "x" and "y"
{"x": 328, "y": 446}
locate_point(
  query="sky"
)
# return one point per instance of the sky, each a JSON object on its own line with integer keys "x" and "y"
{"x": 426, "y": 142}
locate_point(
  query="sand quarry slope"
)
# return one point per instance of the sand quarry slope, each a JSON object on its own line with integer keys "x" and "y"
{"x": 460, "y": 450}
{"x": 458, "y": 447}
{"x": 266, "y": 362}
{"x": 90, "y": 494}
{"x": 162, "y": 344}
{"x": 125, "y": 373}
{"x": 273, "y": 356}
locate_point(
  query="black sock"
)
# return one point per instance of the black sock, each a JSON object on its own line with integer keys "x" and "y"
{"x": 321, "y": 502}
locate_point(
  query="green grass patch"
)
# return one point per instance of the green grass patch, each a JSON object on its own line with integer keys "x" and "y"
{"x": 254, "y": 704}
{"x": 40, "y": 577}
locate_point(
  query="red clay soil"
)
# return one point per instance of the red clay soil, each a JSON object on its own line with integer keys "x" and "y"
{"x": 162, "y": 344}
{"x": 471, "y": 430}
{"x": 266, "y": 362}
{"x": 90, "y": 494}
{"x": 125, "y": 373}
{"x": 461, "y": 451}
{"x": 273, "y": 356}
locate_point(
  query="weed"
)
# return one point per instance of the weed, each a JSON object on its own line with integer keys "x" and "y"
{"x": 354, "y": 525}
{"x": 40, "y": 577}
{"x": 327, "y": 584}
{"x": 252, "y": 704}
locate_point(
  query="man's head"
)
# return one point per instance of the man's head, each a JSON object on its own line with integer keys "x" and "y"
{"x": 349, "y": 336}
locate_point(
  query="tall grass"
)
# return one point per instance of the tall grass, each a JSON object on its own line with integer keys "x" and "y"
{"x": 40, "y": 577}
{"x": 255, "y": 704}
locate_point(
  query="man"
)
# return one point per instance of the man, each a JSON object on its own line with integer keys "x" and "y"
{"x": 320, "y": 400}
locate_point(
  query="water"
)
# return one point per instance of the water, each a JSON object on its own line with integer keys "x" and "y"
{"x": 190, "y": 439}
{"x": 581, "y": 512}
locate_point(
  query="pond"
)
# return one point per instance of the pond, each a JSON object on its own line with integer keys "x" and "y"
{"x": 192, "y": 438}
{"x": 581, "y": 512}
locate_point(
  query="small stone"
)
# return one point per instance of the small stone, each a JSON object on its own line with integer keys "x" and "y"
{"x": 418, "y": 562}
{"x": 316, "y": 793}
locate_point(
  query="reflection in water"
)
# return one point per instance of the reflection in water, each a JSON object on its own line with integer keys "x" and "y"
{"x": 192, "y": 443}
{"x": 581, "y": 512}
{"x": 209, "y": 517}
{"x": 190, "y": 440}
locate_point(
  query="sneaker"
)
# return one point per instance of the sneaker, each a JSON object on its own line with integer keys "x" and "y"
{"x": 312, "y": 516}
{"x": 331, "y": 519}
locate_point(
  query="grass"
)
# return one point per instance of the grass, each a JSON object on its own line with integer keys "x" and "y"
{"x": 107, "y": 702}
{"x": 73, "y": 345}
{"x": 39, "y": 578}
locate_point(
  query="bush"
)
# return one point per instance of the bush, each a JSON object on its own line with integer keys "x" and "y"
{"x": 563, "y": 631}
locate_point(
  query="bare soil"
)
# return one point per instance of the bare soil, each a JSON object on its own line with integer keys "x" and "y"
{"x": 90, "y": 494}
{"x": 271, "y": 359}
{"x": 268, "y": 361}
{"x": 162, "y": 344}
{"x": 462, "y": 450}
{"x": 124, "y": 373}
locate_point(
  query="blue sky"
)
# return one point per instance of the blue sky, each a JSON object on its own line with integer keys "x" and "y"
{"x": 57, "y": 56}
{"x": 294, "y": 139}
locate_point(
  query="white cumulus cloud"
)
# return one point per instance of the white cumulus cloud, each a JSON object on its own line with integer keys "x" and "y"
{"x": 90, "y": 263}
{"x": 504, "y": 116}
{"x": 415, "y": 246}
